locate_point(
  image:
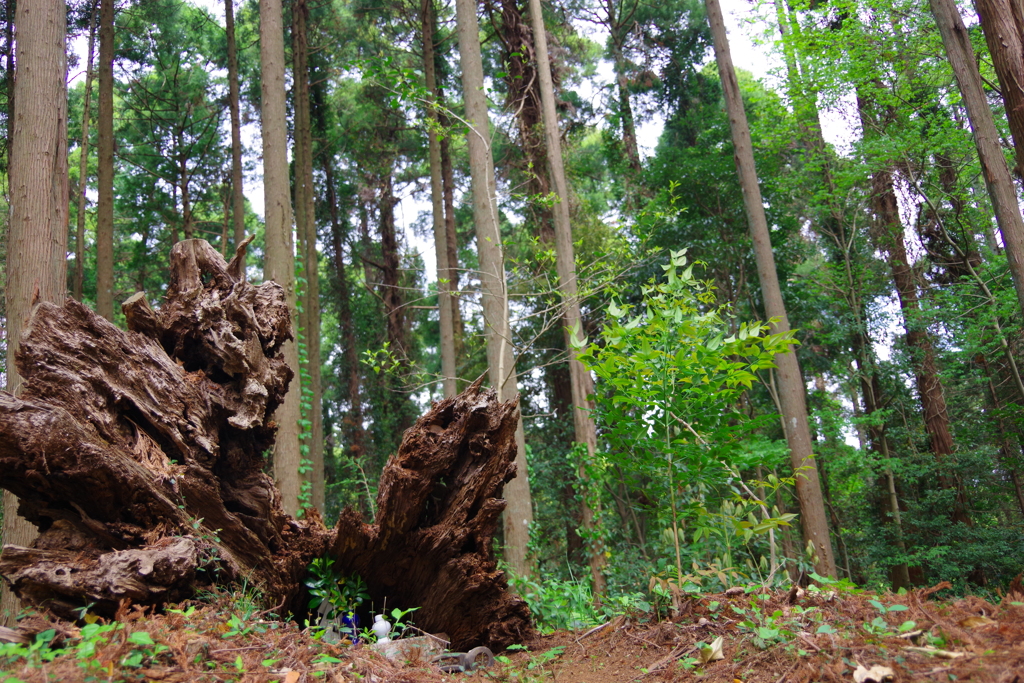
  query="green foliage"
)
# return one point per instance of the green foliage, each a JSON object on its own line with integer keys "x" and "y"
{"x": 325, "y": 583}
{"x": 672, "y": 373}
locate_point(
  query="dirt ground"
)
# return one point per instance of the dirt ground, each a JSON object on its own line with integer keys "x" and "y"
{"x": 775, "y": 637}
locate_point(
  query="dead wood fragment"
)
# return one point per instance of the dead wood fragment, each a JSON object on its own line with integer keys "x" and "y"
{"x": 438, "y": 506}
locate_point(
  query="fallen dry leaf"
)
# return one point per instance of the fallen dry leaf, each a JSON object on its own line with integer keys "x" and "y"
{"x": 712, "y": 652}
{"x": 876, "y": 674}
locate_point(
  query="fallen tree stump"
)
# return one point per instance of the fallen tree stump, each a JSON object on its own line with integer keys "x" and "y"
{"x": 139, "y": 455}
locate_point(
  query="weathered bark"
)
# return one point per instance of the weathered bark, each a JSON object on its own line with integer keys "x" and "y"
{"x": 451, "y": 238}
{"x": 38, "y": 223}
{"x": 500, "y": 353}
{"x": 279, "y": 263}
{"x": 83, "y": 164}
{"x": 792, "y": 394}
{"x": 305, "y": 224}
{"x": 390, "y": 284}
{"x": 237, "y": 194}
{"x": 140, "y": 457}
{"x": 437, "y": 511}
{"x": 1001, "y": 188}
{"x": 126, "y": 438}
{"x": 444, "y": 281}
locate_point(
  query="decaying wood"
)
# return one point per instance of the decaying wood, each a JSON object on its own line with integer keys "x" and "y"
{"x": 133, "y": 437}
{"x": 437, "y": 510}
{"x": 140, "y": 457}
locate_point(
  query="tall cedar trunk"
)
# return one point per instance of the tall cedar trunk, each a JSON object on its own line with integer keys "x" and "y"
{"x": 521, "y": 80}
{"x": 625, "y": 107}
{"x": 582, "y": 382}
{"x": 1000, "y": 185}
{"x": 237, "y": 195}
{"x": 38, "y": 228}
{"x": 279, "y": 261}
{"x": 832, "y": 221}
{"x": 354, "y": 419}
{"x": 500, "y": 352}
{"x": 1002, "y": 22}
{"x": 444, "y": 283}
{"x": 451, "y": 238}
{"x": 887, "y": 234}
{"x": 187, "y": 222}
{"x": 105, "y": 166}
{"x": 306, "y": 228}
{"x": 792, "y": 393}
{"x": 83, "y": 163}
{"x": 391, "y": 289}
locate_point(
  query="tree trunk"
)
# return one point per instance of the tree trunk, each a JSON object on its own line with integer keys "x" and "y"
{"x": 444, "y": 282}
{"x": 306, "y": 228}
{"x": 279, "y": 261}
{"x": 451, "y": 238}
{"x": 167, "y": 425}
{"x": 105, "y": 166}
{"x": 1002, "y": 22}
{"x": 500, "y": 352}
{"x": 792, "y": 393}
{"x": 83, "y": 163}
{"x": 1000, "y": 185}
{"x": 38, "y": 224}
{"x": 625, "y": 110}
{"x": 582, "y": 382}
{"x": 237, "y": 189}
{"x": 391, "y": 286}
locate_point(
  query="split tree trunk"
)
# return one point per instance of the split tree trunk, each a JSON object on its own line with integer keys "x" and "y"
{"x": 139, "y": 455}
{"x": 83, "y": 164}
{"x": 237, "y": 196}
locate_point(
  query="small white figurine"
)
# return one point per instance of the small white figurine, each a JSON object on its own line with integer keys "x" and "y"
{"x": 381, "y": 628}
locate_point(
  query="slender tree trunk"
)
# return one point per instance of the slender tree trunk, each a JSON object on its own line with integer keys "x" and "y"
{"x": 83, "y": 163}
{"x": 105, "y": 166}
{"x": 1000, "y": 185}
{"x": 354, "y": 419}
{"x": 625, "y": 110}
{"x": 391, "y": 286}
{"x": 451, "y": 238}
{"x": 444, "y": 283}
{"x": 792, "y": 393}
{"x": 307, "y": 241}
{"x": 500, "y": 352}
{"x": 237, "y": 189}
{"x": 565, "y": 258}
{"x": 279, "y": 261}
{"x": 38, "y": 228}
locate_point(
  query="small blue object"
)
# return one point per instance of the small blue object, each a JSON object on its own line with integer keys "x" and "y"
{"x": 350, "y": 626}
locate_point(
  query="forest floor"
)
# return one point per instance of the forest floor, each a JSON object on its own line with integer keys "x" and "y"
{"x": 766, "y": 637}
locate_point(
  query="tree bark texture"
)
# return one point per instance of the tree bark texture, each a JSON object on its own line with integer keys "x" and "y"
{"x": 105, "y": 166}
{"x": 279, "y": 261}
{"x": 792, "y": 393}
{"x": 237, "y": 194}
{"x": 83, "y": 164}
{"x": 444, "y": 276}
{"x": 306, "y": 228}
{"x": 38, "y": 222}
{"x": 1001, "y": 188}
{"x": 139, "y": 455}
{"x": 1002, "y": 22}
{"x": 500, "y": 351}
